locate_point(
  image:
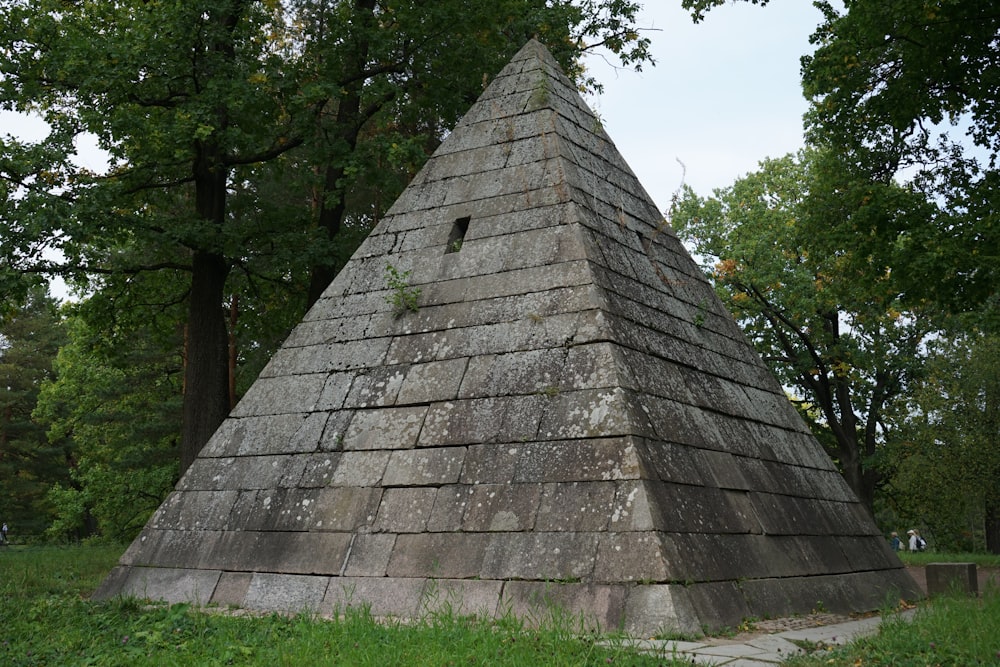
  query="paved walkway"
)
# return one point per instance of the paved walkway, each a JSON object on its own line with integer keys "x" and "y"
{"x": 762, "y": 650}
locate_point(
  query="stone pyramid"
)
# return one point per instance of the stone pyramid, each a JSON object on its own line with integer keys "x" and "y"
{"x": 569, "y": 419}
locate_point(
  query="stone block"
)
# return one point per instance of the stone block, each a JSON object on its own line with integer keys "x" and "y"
{"x": 287, "y": 553}
{"x": 175, "y": 548}
{"x": 191, "y": 510}
{"x": 335, "y": 391}
{"x": 575, "y": 506}
{"x": 369, "y": 555}
{"x": 632, "y": 508}
{"x": 698, "y": 509}
{"x": 540, "y": 556}
{"x": 382, "y": 596}
{"x": 286, "y": 394}
{"x": 487, "y": 420}
{"x": 450, "y": 504}
{"x": 464, "y": 597}
{"x": 682, "y": 464}
{"x": 501, "y": 507}
{"x": 660, "y": 609}
{"x": 523, "y": 372}
{"x": 719, "y": 604}
{"x": 405, "y": 510}
{"x": 602, "y": 459}
{"x": 630, "y": 557}
{"x": 113, "y": 583}
{"x": 375, "y": 387}
{"x": 950, "y": 578}
{"x": 600, "y": 607}
{"x": 436, "y": 466}
{"x": 286, "y": 592}
{"x": 360, "y": 468}
{"x": 232, "y": 589}
{"x": 491, "y": 464}
{"x": 332, "y": 439}
{"x": 346, "y": 508}
{"x": 432, "y": 382}
{"x": 440, "y": 555}
{"x": 323, "y": 330}
{"x": 591, "y": 413}
{"x": 317, "y": 469}
{"x": 725, "y": 470}
{"x": 387, "y": 428}
{"x": 172, "y": 585}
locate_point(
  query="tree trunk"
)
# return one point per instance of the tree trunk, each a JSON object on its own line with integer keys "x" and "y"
{"x": 992, "y": 527}
{"x": 206, "y": 368}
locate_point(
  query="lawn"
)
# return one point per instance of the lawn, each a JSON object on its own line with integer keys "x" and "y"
{"x": 46, "y": 619}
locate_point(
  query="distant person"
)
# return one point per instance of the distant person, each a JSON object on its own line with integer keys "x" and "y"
{"x": 895, "y": 542}
{"x": 917, "y": 543}
{"x": 3, "y": 533}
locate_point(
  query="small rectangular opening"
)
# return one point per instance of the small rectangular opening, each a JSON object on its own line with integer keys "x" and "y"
{"x": 457, "y": 235}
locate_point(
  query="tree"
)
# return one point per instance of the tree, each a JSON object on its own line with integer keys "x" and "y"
{"x": 29, "y": 340}
{"x": 891, "y": 82}
{"x": 843, "y": 341}
{"x": 947, "y": 456}
{"x": 116, "y": 410}
{"x": 191, "y": 99}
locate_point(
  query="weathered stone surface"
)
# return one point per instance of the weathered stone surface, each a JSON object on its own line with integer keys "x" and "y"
{"x": 286, "y": 592}
{"x": 501, "y": 507}
{"x": 432, "y": 382}
{"x": 375, "y": 387}
{"x": 173, "y": 585}
{"x": 423, "y": 467}
{"x": 232, "y": 589}
{"x": 631, "y": 556}
{"x": 360, "y": 468}
{"x": 540, "y": 556}
{"x": 405, "y": 510}
{"x": 575, "y": 506}
{"x": 384, "y": 596}
{"x": 452, "y": 555}
{"x": 950, "y": 578}
{"x": 369, "y": 555}
{"x": 499, "y": 419}
{"x": 660, "y": 610}
{"x": 346, "y": 508}
{"x": 600, "y": 607}
{"x": 463, "y": 597}
{"x": 388, "y": 428}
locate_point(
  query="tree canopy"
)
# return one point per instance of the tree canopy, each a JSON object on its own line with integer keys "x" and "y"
{"x": 207, "y": 109}
{"x": 901, "y": 207}
{"x": 843, "y": 341}
{"x": 30, "y": 338}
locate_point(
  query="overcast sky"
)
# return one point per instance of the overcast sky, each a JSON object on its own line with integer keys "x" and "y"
{"x": 723, "y": 95}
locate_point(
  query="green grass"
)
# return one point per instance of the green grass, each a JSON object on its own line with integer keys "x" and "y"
{"x": 925, "y": 557}
{"x": 950, "y": 630}
{"x": 45, "y": 619}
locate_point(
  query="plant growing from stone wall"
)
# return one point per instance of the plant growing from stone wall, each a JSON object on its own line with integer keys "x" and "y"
{"x": 402, "y": 295}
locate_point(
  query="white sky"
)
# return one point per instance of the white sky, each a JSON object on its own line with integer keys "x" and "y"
{"x": 724, "y": 94}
